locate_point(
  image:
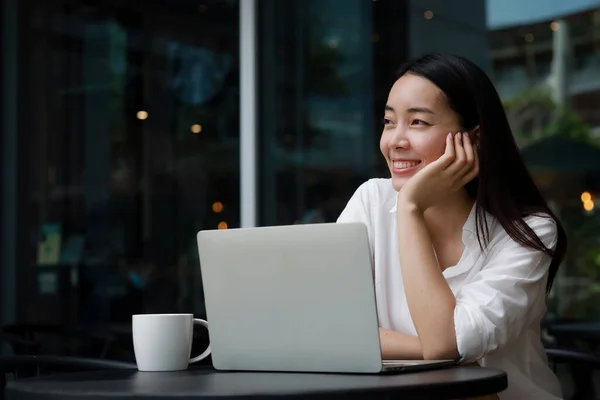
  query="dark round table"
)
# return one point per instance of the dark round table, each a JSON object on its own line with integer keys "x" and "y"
{"x": 206, "y": 383}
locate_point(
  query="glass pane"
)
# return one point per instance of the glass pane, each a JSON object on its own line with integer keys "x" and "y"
{"x": 321, "y": 103}
{"x": 129, "y": 142}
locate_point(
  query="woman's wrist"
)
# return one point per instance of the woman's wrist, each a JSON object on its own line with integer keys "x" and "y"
{"x": 407, "y": 206}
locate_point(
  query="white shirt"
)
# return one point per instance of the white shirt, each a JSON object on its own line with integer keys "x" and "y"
{"x": 500, "y": 294}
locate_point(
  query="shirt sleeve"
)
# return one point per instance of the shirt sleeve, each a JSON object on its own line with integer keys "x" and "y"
{"x": 507, "y": 295}
{"x": 357, "y": 209}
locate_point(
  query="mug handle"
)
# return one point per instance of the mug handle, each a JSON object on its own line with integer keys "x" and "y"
{"x": 198, "y": 321}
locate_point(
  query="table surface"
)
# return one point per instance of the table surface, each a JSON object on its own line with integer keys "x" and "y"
{"x": 205, "y": 383}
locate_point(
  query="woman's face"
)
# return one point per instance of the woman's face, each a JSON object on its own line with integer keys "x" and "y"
{"x": 416, "y": 122}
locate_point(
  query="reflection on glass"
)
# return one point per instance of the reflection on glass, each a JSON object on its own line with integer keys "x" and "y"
{"x": 319, "y": 141}
{"x": 130, "y": 132}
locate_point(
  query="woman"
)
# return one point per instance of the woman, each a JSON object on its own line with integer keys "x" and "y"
{"x": 464, "y": 247}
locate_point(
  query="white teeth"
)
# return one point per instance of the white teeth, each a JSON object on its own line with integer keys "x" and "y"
{"x": 405, "y": 164}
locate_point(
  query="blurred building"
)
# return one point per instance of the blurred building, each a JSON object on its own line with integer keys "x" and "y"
{"x": 548, "y": 44}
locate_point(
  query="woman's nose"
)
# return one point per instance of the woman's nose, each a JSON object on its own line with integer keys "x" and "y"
{"x": 399, "y": 140}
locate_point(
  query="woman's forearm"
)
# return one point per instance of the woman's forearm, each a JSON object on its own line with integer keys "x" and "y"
{"x": 430, "y": 301}
{"x": 399, "y": 346}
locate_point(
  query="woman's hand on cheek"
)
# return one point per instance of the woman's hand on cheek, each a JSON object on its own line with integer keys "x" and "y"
{"x": 454, "y": 169}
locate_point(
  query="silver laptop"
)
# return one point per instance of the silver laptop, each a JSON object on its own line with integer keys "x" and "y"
{"x": 294, "y": 298}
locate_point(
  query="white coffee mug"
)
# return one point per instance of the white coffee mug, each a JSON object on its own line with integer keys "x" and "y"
{"x": 163, "y": 342}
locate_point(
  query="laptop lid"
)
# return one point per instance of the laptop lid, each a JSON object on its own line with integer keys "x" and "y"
{"x": 290, "y": 298}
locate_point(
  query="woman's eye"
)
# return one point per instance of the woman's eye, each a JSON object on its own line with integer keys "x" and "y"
{"x": 418, "y": 122}
{"x": 387, "y": 121}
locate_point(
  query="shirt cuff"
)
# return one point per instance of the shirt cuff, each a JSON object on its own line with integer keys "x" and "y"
{"x": 471, "y": 340}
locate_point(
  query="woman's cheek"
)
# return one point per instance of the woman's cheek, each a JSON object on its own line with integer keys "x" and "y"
{"x": 430, "y": 148}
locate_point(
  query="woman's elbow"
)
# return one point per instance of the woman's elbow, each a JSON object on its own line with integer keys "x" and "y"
{"x": 441, "y": 352}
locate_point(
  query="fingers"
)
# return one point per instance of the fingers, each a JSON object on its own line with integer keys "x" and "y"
{"x": 449, "y": 155}
{"x": 475, "y": 152}
{"x": 469, "y": 151}
{"x": 471, "y": 169}
{"x": 460, "y": 161}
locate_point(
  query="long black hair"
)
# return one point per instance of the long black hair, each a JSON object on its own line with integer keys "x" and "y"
{"x": 504, "y": 187}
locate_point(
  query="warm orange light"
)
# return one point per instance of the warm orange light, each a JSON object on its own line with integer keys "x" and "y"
{"x": 428, "y": 14}
{"x": 222, "y": 225}
{"x": 555, "y": 26}
{"x": 217, "y": 207}
{"x": 588, "y": 205}
{"x": 586, "y": 196}
{"x": 196, "y": 128}
{"x": 142, "y": 115}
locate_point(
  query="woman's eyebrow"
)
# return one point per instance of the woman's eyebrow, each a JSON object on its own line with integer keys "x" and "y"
{"x": 414, "y": 110}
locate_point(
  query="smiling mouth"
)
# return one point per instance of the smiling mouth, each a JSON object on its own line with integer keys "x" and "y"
{"x": 403, "y": 165}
